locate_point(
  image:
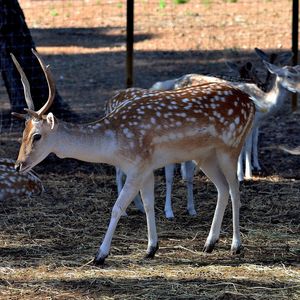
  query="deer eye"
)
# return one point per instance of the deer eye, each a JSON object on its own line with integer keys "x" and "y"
{"x": 36, "y": 137}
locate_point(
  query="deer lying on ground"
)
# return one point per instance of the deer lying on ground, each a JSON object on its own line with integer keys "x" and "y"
{"x": 206, "y": 123}
{"x": 15, "y": 185}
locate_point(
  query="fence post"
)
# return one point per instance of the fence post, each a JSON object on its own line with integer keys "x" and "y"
{"x": 129, "y": 43}
{"x": 295, "y": 32}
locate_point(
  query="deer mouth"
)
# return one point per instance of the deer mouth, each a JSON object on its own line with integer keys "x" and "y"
{"x": 22, "y": 169}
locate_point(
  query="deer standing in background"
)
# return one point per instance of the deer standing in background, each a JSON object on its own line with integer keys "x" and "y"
{"x": 272, "y": 93}
{"x": 206, "y": 123}
{"x": 16, "y": 185}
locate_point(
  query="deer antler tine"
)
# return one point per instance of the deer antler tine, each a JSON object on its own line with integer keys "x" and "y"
{"x": 18, "y": 116}
{"x": 25, "y": 83}
{"x": 33, "y": 113}
{"x": 50, "y": 81}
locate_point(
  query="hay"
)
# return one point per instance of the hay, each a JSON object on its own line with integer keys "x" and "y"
{"x": 48, "y": 242}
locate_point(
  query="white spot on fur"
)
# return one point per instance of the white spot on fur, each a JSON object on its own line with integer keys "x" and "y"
{"x": 153, "y": 121}
{"x": 230, "y": 112}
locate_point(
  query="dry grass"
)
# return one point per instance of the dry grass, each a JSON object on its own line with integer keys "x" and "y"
{"x": 48, "y": 242}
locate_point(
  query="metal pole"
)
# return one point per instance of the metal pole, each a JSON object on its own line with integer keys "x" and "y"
{"x": 129, "y": 43}
{"x": 295, "y": 39}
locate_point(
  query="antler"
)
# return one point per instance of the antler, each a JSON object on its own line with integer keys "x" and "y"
{"x": 51, "y": 86}
{"x": 25, "y": 83}
{"x": 50, "y": 82}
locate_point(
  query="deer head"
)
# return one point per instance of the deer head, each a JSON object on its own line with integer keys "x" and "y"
{"x": 289, "y": 76}
{"x": 36, "y": 141}
{"x": 246, "y": 71}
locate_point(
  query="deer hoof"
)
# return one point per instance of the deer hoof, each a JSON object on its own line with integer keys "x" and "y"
{"x": 151, "y": 252}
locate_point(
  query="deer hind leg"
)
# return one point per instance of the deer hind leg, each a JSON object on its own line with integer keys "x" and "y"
{"x": 228, "y": 166}
{"x": 212, "y": 170}
{"x": 129, "y": 190}
{"x": 137, "y": 200}
{"x": 147, "y": 193}
{"x": 187, "y": 172}
{"x": 169, "y": 174}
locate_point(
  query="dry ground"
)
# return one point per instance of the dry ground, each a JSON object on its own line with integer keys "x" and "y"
{"x": 47, "y": 242}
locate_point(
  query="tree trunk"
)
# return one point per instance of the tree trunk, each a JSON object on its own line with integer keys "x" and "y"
{"x": 15, "y": 38}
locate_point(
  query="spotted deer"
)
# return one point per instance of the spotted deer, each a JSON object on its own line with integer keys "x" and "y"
{"x": 245, "y": 72}
{"x": 206, "y": 123}
{"x": 120, "y": 97}
{"x": 15, "y": 185}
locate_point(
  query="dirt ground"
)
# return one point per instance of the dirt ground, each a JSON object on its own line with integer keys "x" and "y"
{"x": 47, "y": 242}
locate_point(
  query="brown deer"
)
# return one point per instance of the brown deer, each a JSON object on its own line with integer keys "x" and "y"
{"x": 206, "y": 123}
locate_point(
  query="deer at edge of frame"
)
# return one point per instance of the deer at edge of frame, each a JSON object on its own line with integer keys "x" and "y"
{"x": 206, "y": 123}
{"x": 14, "y": 185}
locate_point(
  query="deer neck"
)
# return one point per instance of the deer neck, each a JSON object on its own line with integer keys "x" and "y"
{"x": 276, "y": 96}
{"x": 269, "y": 101}
{"x": 94, "y": 142}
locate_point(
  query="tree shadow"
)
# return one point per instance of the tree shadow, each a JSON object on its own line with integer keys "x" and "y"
{"x": 97, "y": 37}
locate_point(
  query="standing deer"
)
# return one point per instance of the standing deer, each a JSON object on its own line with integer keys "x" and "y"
{"x": 120, "y": 98}
{"x": 15, "y": 185}
{"x": 273, "y": 93}
{"x": 206, "y": 123}
{"x": 244, "y": 71}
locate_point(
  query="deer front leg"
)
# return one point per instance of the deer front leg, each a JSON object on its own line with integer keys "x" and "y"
{"x": 240, "y": 165}
{"x": 129, "y": 190}
{"x": 137, "y": 200}
{"x": 256, "y": 164}
{"x": 187, "y": 172}
{"x": 169, "y": 174}
{"x": 248, "y": 155}
{"x": 147, "y": 193}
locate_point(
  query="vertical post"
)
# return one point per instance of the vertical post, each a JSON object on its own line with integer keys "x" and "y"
{"x": 129, "y": 43}
{"x": 295, "y": 39}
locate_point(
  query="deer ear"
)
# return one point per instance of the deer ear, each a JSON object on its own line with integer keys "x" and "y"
{"x": 51, "y": 120}
{"x": 284, "y": 58}
{"x": 273, "y": 69}
{"x": 262, "y": 54}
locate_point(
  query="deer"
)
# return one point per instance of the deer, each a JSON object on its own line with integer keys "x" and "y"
{"x": 206, "y": 123}
{"x": 120, "y": 97}
{"x": 273, "y": 93}
{"x": 246, "y": 72}
{"x": 15, "y": 185}
{"x": 133, "y": 94}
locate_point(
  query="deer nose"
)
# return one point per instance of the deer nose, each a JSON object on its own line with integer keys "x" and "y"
{"x": 18, "y": 166}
